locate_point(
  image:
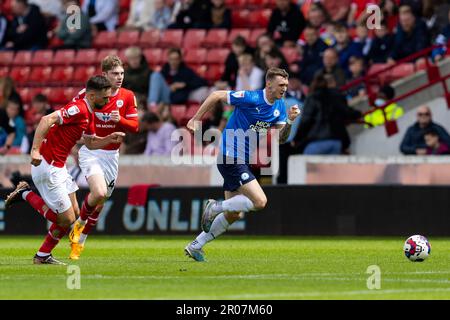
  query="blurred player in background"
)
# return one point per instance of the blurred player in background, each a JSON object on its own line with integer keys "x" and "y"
{"x": 101, "y": 167}
{"x": 255, "y": 111}
{"x": 55, "y": 137}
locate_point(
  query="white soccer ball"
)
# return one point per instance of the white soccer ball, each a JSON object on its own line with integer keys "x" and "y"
{"x": 417, "y": 248}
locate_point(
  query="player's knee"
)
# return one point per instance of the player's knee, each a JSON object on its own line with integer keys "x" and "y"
{"x": 259, "y": 203}
{"x": 66, "y": 222}
{"x": 99, "y": 195}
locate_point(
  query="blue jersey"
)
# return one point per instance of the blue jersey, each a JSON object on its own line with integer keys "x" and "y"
{"x": 253, "y": 115}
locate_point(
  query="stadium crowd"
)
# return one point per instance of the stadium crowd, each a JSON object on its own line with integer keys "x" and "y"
{"x": 224, "y": 44}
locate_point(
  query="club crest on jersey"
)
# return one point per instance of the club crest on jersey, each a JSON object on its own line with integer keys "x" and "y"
{"x": 276, "y": 113}
{"x": 119, "y": 103}
{"x": 238, "y": 94}
{"x": 105, "y": 117}
{"x": 73, "y": 110}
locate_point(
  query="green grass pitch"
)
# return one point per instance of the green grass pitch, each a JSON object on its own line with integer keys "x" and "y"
{"x": 238, "y": 267}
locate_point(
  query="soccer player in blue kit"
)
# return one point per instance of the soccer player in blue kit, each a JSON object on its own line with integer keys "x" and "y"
{"x": 255, "y": 112}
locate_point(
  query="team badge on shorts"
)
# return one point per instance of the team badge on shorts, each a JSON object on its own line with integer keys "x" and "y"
{"x": 276, "y": 113}
{"x": 119, "y": 103}
{"x": 244, "y": 176}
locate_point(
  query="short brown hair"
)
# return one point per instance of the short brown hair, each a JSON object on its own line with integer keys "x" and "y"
{"x": 98, "y": 83}
{"x": 111, "y": 62}
{"x": 273, "y": 72}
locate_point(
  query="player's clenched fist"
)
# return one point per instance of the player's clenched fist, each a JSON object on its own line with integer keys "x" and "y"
{"x": 115, "y": 116}
{"x": 193, "y": 125}
{"x": 294, "y": 112}
{"x": 36, "y": 157}
{"x": 117, "y": 137}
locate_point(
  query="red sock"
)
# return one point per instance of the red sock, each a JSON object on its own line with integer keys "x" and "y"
{"x": 39, "y": 205}
{"x": 92, "y": 220}
{"x": 55, "y": 233}
{"x": 86, "y": 209}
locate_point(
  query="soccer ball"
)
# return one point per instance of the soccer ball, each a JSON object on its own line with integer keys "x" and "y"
{"x": 417, "y": 248}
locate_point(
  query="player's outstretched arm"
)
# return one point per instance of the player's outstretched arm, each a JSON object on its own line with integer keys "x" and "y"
{"x": 42, "y": 129}
{"x": 207, "y": 105}
{"x": 94, "y": 142}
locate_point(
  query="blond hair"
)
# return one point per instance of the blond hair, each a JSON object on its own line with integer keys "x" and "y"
{"x": 110, "y": 62}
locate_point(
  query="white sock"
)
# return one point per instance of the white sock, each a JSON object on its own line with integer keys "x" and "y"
{"x": 42, "y": 254}
{"x": 24, "y": 195}
{"x": 82, "y": 238}
{"x": 238, "y": 203}
{"x": 219, "y": 226}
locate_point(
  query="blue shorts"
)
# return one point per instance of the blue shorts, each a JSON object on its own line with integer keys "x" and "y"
{"x": 235, "y": 175}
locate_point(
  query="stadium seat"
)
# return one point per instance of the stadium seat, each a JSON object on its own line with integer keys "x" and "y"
{"x": 23, "y": 58}
{"x": 239, "y": 19}
{"x": 217, "y": 56}
{"x": 381, "y": 77}
{"x": 149, "y": 39}
{"x": 55, "y": 43}
{"x": 171, "y": 38}
{"x": 200, "y": 70}
{"x": 20, "y": 75}
{"x": 127, "y": 39}
{"x": 64, "y": 57}
{"x": 26, "y": 94}
{"x": 86, "y": 57}
{"x": 401, "y": 71}
{"x": 193, "y": 38}
{"x": 154, "y": 56}
{"x": 245, "y": 33}
{"x": 61, "y": 95}
{"x": 259, "y": 18}
{"x": 255, "y": 35}
{"x": 6, "y": 58}
{"x": 256, "y": 4}
{"x": 291, "y": 54}
{"x": 123, "y": 17}
{"x": 214, "y": 72}
{"x": 81, "y": 75}
{"x": 195, "y": 56}
{"x": 421, "y": 64}
{"x": 40, "y": 76}
{"x": 4, "y": 71}
{"x": 63, "y": 75}
{"x": 42, "y": 57}
{"x": 105, "y": 39}
{"x": 216, "y": 38}
{"x": 236, "y": 4}
{"x": 124, "y": 5}
{"x": 101, "y": 54}
{"x": 178, "y": 112}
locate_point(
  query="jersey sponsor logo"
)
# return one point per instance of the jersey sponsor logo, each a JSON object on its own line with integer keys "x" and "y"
{"x": 103, "y": 116}
{"x": 119, "y": 103}
{"x": 276, "y": 113}
{"x": 238, "y": 94}
{"x": 73, "y": 110}
{"x": 260, "y": 126}
{"x": 257, "y": 109}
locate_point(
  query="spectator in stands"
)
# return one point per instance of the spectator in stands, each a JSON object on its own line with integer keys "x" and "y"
{"x": 434, "y": 145}
{"x": 3, "y": 29}
{"x": 228, "y": 79}
{"x": 137, "y": 71}
{"x": 161, "y": 16}
{"x": 250, "y": 77}
{"x": 264, "y": 44}
{"x": 391, "y": 112}
{"x": 331, "y": 66}
{"x": 389, "y": 10}
{"x": 412, "y": 35}
{"x": 275, "y": 59}
{"x": 50, "y": 8}
{"x": 322, "y": 128}
{"x": 357, "y": 70}
{"x": 358, "y": 13}
{"x": 286, "y": 23}
{"x": 337, "y": 9}
{"x": 442, "y": 39}
{"x": 7, "y": 133}
{"x": 16, "y": 120}
{"x": 220, "y": 15}
{"x": 159, "y": 141}
{"x": 363, "y": 39}
{"x": 313, "y": 51}
{"x": 193, "y": 14}
{"x": 75, "y": 37}
{"x": 175, "y": 83}
{"x": 39, "y": 107}
{"x": 414, "y": 139}
{"x": 135, "y": 143}
{"x": 8, "y": 92}
{"x": 28, "y": 29}
{"x": 382, "y": 44}
{"x": 345, "y": 46}
{"x": 318, "y": 18}
{"x": 140, "y": 15}
{"x": 103, "y": 14}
